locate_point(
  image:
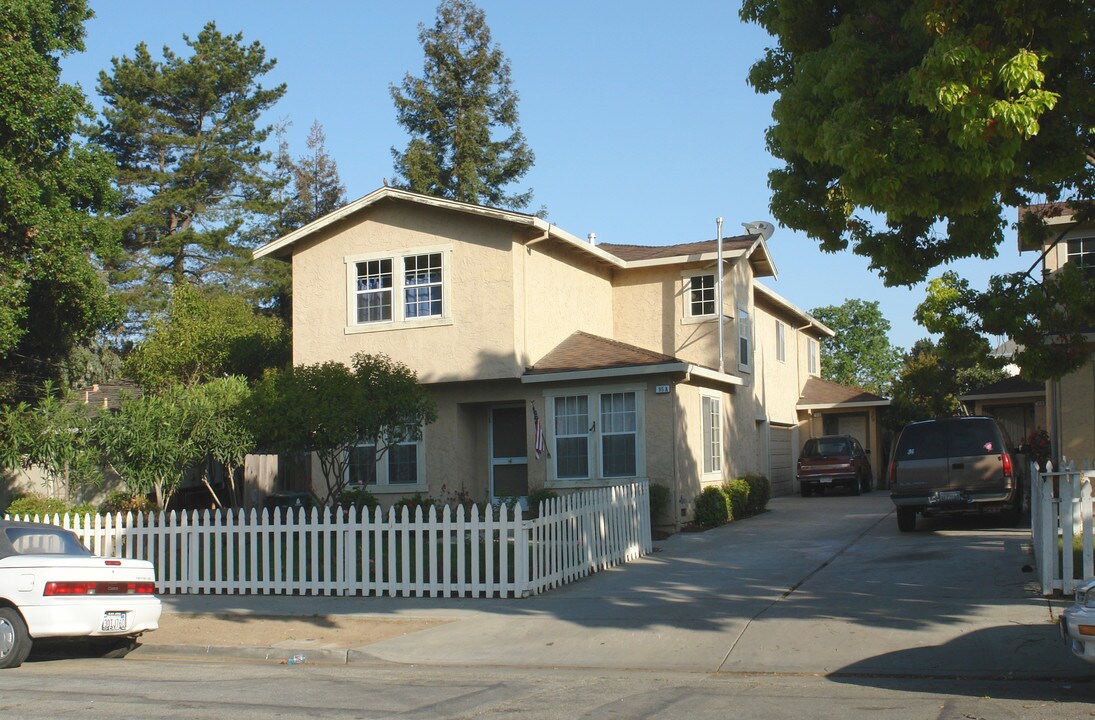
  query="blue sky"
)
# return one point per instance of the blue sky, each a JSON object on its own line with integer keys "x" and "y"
{"x": 642, "y": 123}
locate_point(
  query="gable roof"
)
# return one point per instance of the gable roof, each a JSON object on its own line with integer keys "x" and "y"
{"x": 809, "y": 321}
{"x": 820, "y": 394}
{"x": 583, "y": 356}
{"x": 620, "y": 256}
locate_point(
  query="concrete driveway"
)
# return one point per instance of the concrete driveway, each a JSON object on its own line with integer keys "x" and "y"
{"x": 819, "y": 586}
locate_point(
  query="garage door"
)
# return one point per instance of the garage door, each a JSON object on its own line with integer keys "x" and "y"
{"x": 780, "y": 468}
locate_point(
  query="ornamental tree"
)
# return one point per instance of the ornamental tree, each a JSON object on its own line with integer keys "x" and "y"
{"x": 905, "y": 130}
{"x": 328, "y": 408}
{"x": 461, "y": 115}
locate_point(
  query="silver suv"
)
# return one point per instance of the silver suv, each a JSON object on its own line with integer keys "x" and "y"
{"x": 955, "y": 465}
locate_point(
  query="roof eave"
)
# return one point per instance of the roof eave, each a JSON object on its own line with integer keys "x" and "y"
{"x": 687, "y": 369}
{"x": 841, "y": 405}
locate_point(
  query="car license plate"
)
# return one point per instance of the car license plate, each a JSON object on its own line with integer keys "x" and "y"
{"x": 948, "y": 496}
{"x": 825, "y": 480}
{"x": 114, "y": 621}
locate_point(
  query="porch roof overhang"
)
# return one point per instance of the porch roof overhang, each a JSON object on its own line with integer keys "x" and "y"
{"x": 689, "y": 370}
{"x": 843, "y": 405}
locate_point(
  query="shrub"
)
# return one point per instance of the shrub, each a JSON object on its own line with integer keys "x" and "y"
{"x": 123, "y": 501}
{"x": 738, "y": 491}
{"x": 760, "y": 491}
{"x": 712, "y": 507}
{"x": 659, "y": 502}
{"x": 360, "y": 499}
{"x": 411, "y": 502}
{"x": 40, "y": 505}
{"x": 537, "y": 496}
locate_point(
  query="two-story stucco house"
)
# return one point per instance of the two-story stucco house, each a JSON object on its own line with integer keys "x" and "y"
{"x": 554, "y": 361}
{"x": 1070, "y": 401}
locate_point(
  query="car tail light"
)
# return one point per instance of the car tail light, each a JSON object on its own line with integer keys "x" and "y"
{"x": 1007, "y": 464}
{"x": 78, "y": 587}
{"x": 893, "y": 473}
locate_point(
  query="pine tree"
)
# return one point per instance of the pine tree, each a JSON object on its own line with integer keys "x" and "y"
{"x": 461, "y": 115}
{"x": 318, "y": 188}
{"x": 185, "y": 134}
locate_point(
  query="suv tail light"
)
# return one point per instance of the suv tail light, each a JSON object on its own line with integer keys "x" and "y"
{"x": 1007, "y": 465}
{"x": 893, "y": 473}
{"x": 78, "y": 587}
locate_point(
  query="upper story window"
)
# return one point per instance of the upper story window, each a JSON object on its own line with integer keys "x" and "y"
{"x": 410, "y": 287}
{"x": 745, "y": 341}
{"x": 1081, "y": 251}
{"x": 701, "y": 296}
{"x": 781, "y": 341}
{"x": 812, "y": 356}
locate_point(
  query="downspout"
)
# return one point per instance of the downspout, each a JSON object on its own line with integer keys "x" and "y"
{"x": 721, "y": 310}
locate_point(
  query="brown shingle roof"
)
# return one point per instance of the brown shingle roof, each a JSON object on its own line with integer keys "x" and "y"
{"x": 1014, "y": 385}
{"x": 824, "y": 392}
{"x": 107, "y": 396}
{"x": 583, "y": 351}
{"x": 650, "y": 252}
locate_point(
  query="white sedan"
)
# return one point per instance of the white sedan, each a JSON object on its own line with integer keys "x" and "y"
{"x": 1078, "y": 623}
{"x": 51, "y": 586}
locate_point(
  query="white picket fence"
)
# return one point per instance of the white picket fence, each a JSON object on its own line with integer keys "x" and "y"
{"x": 427, "y": 553}
{"x": 1061, "y": 514}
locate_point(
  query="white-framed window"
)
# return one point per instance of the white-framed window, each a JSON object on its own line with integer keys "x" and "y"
{"x": 410, "y": 288}
{"x": 1081, "y": 252}
{"x": 781, "y": 341}
{"x": 813, "y": 359}
{"x": 619, "y": 435}
{"x": 400, "y": 466}
{"x": 596, "y": 434}
{"x": 711, "y": 409}
{"x": 700, "y": 296}
{"x": 745, "y": 341}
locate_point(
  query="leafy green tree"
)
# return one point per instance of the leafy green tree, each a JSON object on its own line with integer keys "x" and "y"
{"x": 905, "y": 129}
{"x": 328, "y": 408}
{"x": 54, "y": 436}
{"x": 147, "y": 443}
{"x": 186, "y": 136}
{"x": 860, "y": 355}
{"x": 219, "y": 430}
{"x": 207, "y": 334}
{"x": 51, "y": 189}
{"x": 461, "y": 115}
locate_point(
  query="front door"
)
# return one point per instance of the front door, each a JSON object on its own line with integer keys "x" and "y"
{"x": 508, "y": 453}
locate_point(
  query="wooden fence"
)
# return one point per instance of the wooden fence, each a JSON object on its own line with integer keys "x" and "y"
{"x": 424, "y": 553}
{"x": 1061, "y": 527}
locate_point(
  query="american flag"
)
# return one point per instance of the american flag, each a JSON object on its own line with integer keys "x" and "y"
{"x": 539, "y": 433}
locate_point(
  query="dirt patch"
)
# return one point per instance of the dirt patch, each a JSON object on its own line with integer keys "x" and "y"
{"x": 229, "y": 630}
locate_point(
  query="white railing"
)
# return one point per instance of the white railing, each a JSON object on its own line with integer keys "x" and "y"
{"x": 434, "y": 553}
{"x": 1061, "y": 517}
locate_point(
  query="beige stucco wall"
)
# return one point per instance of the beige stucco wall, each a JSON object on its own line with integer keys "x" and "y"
{"x": 649, "y": 311}
{"x": 556, "y": 293}
{"x": 1074, "y": 401}
{"x": 477, "y": 337}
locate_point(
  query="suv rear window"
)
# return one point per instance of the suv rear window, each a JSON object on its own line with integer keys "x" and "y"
{"x": 826, "y": 447}
{"x": 959, "y": 438}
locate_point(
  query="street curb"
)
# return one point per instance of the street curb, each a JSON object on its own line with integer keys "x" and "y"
{"x": 277, "y": 655}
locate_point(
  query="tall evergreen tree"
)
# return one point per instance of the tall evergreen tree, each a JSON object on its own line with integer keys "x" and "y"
{"x": 186, "y": 136}
{"x": 317, "y": 186}
{"x": 51, "y": 188}
{"x": 461, "y": 115}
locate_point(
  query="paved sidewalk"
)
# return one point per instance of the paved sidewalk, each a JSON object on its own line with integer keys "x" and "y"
{"x": 823, "y": 585}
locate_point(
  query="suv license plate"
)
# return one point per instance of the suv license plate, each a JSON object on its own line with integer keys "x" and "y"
{"x": 114, "y": 621}
{"x": 947, "y": 496}
{"x": 825, "y": 480}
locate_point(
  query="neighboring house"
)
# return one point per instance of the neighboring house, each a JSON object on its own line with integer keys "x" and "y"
{"x": 1019, "y": 405}
{"x": 1070, "y": 401}
{"x": 512, "y": 323}
{"x": 832, "y": 409}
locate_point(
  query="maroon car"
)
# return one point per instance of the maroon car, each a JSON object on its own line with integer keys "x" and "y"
{"x": 833, "y": 461}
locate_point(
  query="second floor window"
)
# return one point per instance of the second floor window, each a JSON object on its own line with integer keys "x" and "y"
{"x": 1081, "y": 251}
{"x": 781, "y": 341}
{"x": 745, "y": 341}
{"x": 411, "y": 287}
{"x": 812, "y": 356}
{"x": 701, "y": 295}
